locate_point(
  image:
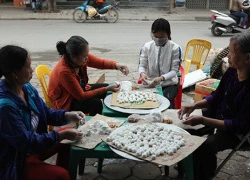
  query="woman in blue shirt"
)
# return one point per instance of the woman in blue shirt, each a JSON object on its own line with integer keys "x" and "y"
{"x": 23, "y": 122}
{"x": 228, "y": 109}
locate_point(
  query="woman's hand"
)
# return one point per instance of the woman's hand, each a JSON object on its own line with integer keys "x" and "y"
{"x": 113, "y": 88}
{"x": 122, "y": 68}
{"x": 70, "y": 134}
{"x": 194, "y": 120}
{"x": 74, "y": 116}
{"x": 144, "y": 78}
{"x": 186, "y": 110}
{"x": 156, "y": 81}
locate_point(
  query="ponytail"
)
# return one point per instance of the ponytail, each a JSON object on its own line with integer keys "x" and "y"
{"x": 61, "y": 48}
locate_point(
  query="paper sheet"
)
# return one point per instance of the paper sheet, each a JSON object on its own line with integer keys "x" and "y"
{"x": 193, "y": 77}
{"x": 93, "y": 140}
{"x": 145, "y": 88}
{"x": 171, "y": 114}
{"x": 192, "y": 143}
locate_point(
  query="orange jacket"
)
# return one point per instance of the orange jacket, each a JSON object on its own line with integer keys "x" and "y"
{"x": 64, "y": 83}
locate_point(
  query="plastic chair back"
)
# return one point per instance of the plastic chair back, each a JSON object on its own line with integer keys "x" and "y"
{"x": 200, "y": 50}
{"x": 43, "y": 74}
{"x": 178, "y": 98}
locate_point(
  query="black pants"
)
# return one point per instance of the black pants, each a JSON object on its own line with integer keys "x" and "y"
{"x": 205, "y": 160}
{"x": 170, "y": 92}
{"x": 92, "y": 106}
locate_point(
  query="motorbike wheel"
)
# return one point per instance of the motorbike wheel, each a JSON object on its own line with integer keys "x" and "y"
{"x": 215, "y": 31}
{"x": 79, "y": 16}
{"x": 112, "y": 16}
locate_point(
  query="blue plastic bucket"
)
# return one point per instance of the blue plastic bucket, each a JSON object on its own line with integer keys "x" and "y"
{"x": 180, "y": 2}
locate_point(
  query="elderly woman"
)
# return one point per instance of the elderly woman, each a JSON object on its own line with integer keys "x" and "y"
{"x": 24, "y": 117}
{"x": 68, "y": 85}
{"x": 228, "y": 108}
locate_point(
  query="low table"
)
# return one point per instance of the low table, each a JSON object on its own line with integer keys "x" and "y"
{"x": 102, "y": 151}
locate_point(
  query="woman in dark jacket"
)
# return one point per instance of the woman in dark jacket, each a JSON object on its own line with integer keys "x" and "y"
{"x": 228, "y": 109}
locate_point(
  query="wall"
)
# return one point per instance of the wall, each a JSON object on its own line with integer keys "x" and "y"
{"x": 161, "y": 4}
{"x": 207, "y": 4}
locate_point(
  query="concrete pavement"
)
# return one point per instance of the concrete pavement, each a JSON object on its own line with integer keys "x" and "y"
{"x": 127, "y": 169}
{"x": 8, "y": 12}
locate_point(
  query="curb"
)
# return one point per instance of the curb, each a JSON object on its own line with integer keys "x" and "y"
{"x": 121, "y": 19}
{"x": 203, "y": 18}
{"x": 133, "y": 15}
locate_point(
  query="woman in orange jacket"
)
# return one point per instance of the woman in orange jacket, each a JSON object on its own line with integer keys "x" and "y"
{"x": 68, "y": 85}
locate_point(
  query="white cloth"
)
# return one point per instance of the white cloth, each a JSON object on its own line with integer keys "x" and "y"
{"x": 34, "y": 121}
{"x": 163, "y": 61}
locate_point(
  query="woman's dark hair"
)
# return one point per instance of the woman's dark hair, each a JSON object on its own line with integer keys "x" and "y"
{"x": 161, "y": 25}
{"x": 75, "y": 46}
{"x": 12, "y": 58}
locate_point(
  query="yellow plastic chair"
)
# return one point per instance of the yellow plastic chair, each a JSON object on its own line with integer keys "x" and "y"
{"x": 200, "y": 50}
{"x": 43, "y": 74}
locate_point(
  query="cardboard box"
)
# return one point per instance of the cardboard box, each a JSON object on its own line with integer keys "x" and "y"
{"x": 205, "y": 88}
{"x": 97, "y": 80}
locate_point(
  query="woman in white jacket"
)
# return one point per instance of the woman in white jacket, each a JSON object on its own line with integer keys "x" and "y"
{"x": 160, "y": 59}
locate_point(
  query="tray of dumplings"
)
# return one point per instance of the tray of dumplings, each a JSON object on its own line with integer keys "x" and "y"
{"x": 95, "y": 130}
{"x": 135, "y": 100}
{"x": 129, "y": 97}
{"x": 155, "y": 142}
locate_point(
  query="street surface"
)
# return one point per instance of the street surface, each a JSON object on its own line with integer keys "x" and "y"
{"x": 120, "y": 41}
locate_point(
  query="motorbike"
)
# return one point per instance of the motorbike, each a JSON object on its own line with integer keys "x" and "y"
{"x": 226, "y": 23}
{"x": 108, "y": 12}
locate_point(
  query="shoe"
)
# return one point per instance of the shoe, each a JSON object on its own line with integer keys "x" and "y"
{"x": 243, "y": 27}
